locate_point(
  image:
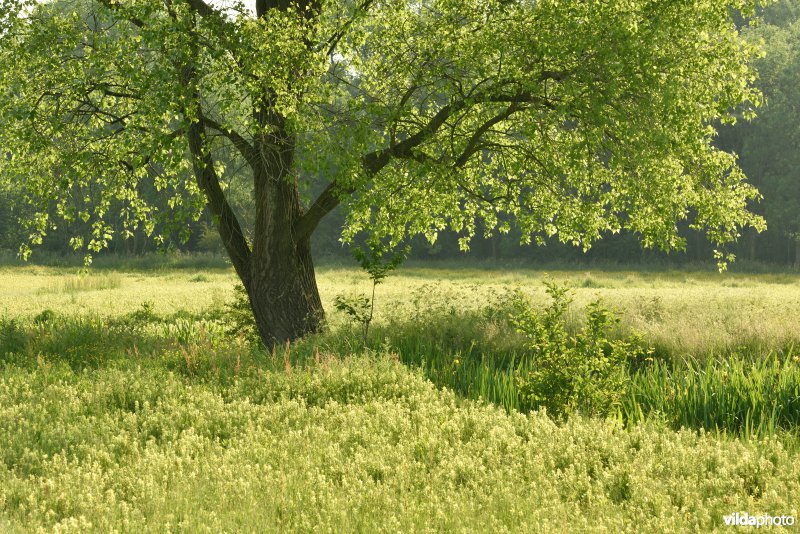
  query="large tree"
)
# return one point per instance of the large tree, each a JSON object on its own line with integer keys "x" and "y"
{"x": 572, "y": 118}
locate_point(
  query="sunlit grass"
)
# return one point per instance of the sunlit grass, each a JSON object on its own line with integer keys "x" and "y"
{"x": 678, "y": 312}
{"x": 128, "y": 406}
{"x": 345, "y": 444}
{"x": 82, "y": 282}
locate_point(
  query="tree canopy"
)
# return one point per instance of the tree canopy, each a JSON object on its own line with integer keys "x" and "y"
{"x": 571, "y": 118}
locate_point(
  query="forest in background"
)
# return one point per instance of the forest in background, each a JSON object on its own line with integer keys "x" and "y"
{"x": 767, "y": 148}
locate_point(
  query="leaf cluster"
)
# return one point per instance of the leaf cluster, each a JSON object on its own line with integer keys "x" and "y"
{"x": 571, "y": 119}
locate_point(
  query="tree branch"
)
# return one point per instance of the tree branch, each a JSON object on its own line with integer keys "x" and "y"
{"x": 225, "y": 218}
{"x": 203, "y": 9}
{"x": 115, "y": 7}
{"x": 474, "y": 142}
{"x": 377, "y": 160}
{"x": 374, "y": 162}
{"x": 325, "y": 203}
{"x": 334, "y": 39}
{"x": 244, "y": 147}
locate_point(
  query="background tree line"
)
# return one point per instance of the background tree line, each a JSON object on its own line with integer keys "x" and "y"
{"x": 767, "y": 148}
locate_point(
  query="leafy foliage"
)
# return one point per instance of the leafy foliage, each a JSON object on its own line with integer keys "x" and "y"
{"x": 586, "y": 372}
{"x": 574, "y": 119}
{"x": 357, "y": 307}
{"x": 239, "y": 316}
{"x": 377, "y": 262}
{"x": 768, "y": 146}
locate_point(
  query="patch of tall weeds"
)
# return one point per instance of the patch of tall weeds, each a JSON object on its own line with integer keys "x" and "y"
{"x": 238, "y": 317}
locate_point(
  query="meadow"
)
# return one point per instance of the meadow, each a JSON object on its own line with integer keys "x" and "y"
{"x": 683, "y": 312}
{"x": 132, "y": 399}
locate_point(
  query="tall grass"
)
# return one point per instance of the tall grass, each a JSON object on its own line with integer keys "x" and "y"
{"x": 754, "y": 396}
{"x": 750, "y": 395}
{"x": 458, "y": 335}
{"x": 352, "y": 444}
{"x": 72, "y": 284}
{"x": 745, "y": 391}
{"x": 153, "y": 418}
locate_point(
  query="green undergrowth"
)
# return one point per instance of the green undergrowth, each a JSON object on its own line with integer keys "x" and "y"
{"x": 348, "y": 444}
{"x": 179, "y": 422}
{"x": 510, "y": 352}
{"x": 522, "y": 357}
{"x": 467, "y": 407}
{"x": 731, "y": 393}
{"x": 740, "y": 392}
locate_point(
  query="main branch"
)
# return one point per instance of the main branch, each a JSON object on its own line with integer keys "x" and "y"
{"x": 227, "y": 223}
{"x": 373, "y": 162}
{"x": 244, "y": 147}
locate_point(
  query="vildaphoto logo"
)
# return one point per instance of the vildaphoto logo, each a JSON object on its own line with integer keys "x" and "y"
{"x": 758, "y": 521}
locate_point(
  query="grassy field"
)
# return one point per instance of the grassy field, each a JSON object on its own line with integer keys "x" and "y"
{"x": 682, "y": 312}
{"x": 127, "y": 403}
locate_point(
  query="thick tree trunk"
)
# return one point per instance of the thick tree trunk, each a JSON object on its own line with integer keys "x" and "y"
{"x": 283, "y": 293}
{"x": 278, "y": 272}
{"x": 282, "y": 284}
{"x": 276, "y": 269}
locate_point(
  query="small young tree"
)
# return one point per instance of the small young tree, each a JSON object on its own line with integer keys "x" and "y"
{"x": 574, "y": 118}
{"x": 377, "y": 262}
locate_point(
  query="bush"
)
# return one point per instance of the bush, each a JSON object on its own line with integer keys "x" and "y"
{"x": 12, "y": 338}
{"x": 586, "y": 372}
{"x": 238, "y": 317}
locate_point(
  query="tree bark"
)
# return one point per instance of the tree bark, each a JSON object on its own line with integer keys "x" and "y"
{"x": 282, "y": 283}
{"x": 283, "y": 293}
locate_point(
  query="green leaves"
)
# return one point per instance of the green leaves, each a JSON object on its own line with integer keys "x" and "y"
{"x": 89, "y": 118}
{"x": 576, "y": 120}
{"x": 379, "y": 260}
{"x": 573, "y": 119}
{"x": 585, "y": 372}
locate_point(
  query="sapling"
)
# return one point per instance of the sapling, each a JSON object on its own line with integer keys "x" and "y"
{"x": 377, "y": 261}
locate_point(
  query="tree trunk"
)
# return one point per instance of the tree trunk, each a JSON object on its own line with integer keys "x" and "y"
{"x": 282, "y": 284}
{"x": 283, "y": 293}
{"x": 277, "y": 271}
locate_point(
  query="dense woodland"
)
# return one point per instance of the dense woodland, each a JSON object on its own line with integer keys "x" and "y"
{"x": 767, "y": 148}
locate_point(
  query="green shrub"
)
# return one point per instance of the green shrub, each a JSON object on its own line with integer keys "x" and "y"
{"x": 377, "y": 261}
{"x": 137, "y": 321}
{"x": 359, "y": 308}
{"x": 45, "y": 316}
{"x": 12, "y": 338}
{"x": 585, "y": 372}
{"x": 238, "y": 317}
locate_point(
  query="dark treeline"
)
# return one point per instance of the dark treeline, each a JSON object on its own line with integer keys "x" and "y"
{"x": 768, "y": 149}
